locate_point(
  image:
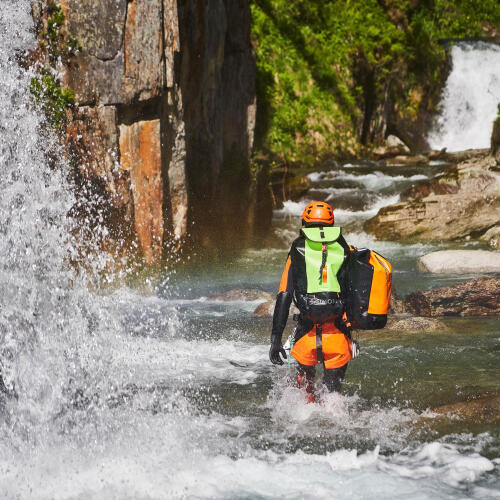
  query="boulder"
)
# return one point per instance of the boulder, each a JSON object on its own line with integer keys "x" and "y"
{"x": 267, "y": 309}
{"x": 393, "y": 146}
{"x": 471, "y": 298}
{"x": 415, "y": 324}
{"x": 408, "y": 160}
{"x": 459, "y": 261}
{"x": 242, "y": 294}
{"x": 436, "y": 154}
{"x": 469, "y": 209}
{"x": 461, "y": 156}
{"x": 492, "y": 236}
{"x": 394, "y": 142}
{"x": 438, "y": 185}
{"x": 397, "y": 306}
{"x": 484, "y": 407}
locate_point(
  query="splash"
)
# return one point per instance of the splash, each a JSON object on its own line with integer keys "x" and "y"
{"x": 470, "y": 99}
{"x": 50, "y": 324}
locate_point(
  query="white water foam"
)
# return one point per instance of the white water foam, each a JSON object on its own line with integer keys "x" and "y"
{"x": 342, "y": 216}
{"x": 372, "y": 181}
{"x": 470, "y": 99}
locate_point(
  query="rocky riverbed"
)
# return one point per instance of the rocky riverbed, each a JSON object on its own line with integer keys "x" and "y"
{"x": 461, "y": 203}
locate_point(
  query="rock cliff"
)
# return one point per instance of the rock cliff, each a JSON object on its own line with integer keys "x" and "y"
{"x": 164, "y": 117}
{"x": 464, "y": 202}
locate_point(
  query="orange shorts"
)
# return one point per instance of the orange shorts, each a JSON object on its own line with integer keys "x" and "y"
{"x": 336, "y": 347}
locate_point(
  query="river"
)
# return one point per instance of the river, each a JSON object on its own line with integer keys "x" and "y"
{"x": 119, "y": 393}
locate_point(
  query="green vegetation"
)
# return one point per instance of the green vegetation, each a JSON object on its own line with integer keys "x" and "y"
{"x": 55, "y": 48}
{"x": 334, "y": 75}
{"x": 54, "y": 98}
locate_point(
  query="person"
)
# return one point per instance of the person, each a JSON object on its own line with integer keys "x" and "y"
{"x": 315, "y": 278}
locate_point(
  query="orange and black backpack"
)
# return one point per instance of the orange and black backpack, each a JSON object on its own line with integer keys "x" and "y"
{"x": 369, "y": 289}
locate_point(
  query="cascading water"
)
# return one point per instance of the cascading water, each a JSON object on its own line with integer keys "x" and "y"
{"x": 49, "y": 322}
{"x": 470, "y": 99}
{"x": 172, "y": 396}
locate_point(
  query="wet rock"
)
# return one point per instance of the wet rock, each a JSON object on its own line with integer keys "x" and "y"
{"x": 217, "y": 78}
{"x": 459, "y": 261}
{"x": 471, "y": 210}
{"x": 408, "y": 160}
{"x": 415, "y": 324}
{"x": 397, "y": 305}
{"x": 267, "y": 309}
{"x": 242, "y": 294}
{"x": 436, "y": 154}
{"x": 394, "y": 142}
{"x": 121, "y": 57}
{"x": 472, "y": 298}
{"x": 495, "y": 139}
{"x": 190, "y": 66}
{"x": 485, "y": 407}
{"x": 143, "y": 51}
{"x": 92, "y": 137}
{"x": 439, "y": 185}
{"x": 492, "y": 236}
{"x": 393, "y": 146}
{"x": 140, "y": 147}
{"x": 461, "y": 156}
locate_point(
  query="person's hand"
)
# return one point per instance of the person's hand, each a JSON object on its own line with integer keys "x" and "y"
{"x": 274, "y": 353}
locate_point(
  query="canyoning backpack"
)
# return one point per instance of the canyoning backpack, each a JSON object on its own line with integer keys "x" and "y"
{"x": 317, "y": 260}
{"x": 369, "y": 284}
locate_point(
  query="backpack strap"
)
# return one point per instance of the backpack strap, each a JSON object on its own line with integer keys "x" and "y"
{"x": 322, "y": 268}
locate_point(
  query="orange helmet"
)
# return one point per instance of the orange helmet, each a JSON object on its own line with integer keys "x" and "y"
{"x": 318, "y": 213}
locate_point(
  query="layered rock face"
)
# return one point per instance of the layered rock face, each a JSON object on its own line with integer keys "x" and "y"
{"x": 464, "y": 202}
{"x": 165, "y": 113}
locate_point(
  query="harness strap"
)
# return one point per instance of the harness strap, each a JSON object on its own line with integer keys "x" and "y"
{"x": 319, "y": 344}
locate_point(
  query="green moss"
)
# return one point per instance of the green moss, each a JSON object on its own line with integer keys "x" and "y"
{"x": 54, "y": 98}
{"x": 55, "y": 47}
{"x": 324, "y": 66}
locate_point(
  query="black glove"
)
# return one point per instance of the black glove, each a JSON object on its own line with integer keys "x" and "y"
{"x": 276, "y": 350}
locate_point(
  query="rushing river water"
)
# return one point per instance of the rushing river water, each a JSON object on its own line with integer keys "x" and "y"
{"x": 171, "y": 395}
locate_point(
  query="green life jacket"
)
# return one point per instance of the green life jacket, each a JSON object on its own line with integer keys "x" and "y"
{"x": 324, "y": 257}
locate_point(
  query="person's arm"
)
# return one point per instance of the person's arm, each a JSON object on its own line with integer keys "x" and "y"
{"x": 281, "y": 311}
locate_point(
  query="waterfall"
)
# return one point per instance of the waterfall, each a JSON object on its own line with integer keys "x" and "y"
{"x": 469, "y": 102}
{"x": 48, "y": 318}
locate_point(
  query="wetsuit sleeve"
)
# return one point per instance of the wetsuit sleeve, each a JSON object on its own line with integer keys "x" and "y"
{"x": 283, "y": 302}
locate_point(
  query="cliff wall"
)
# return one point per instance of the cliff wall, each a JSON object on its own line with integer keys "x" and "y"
{"x": 162, "y": 125}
